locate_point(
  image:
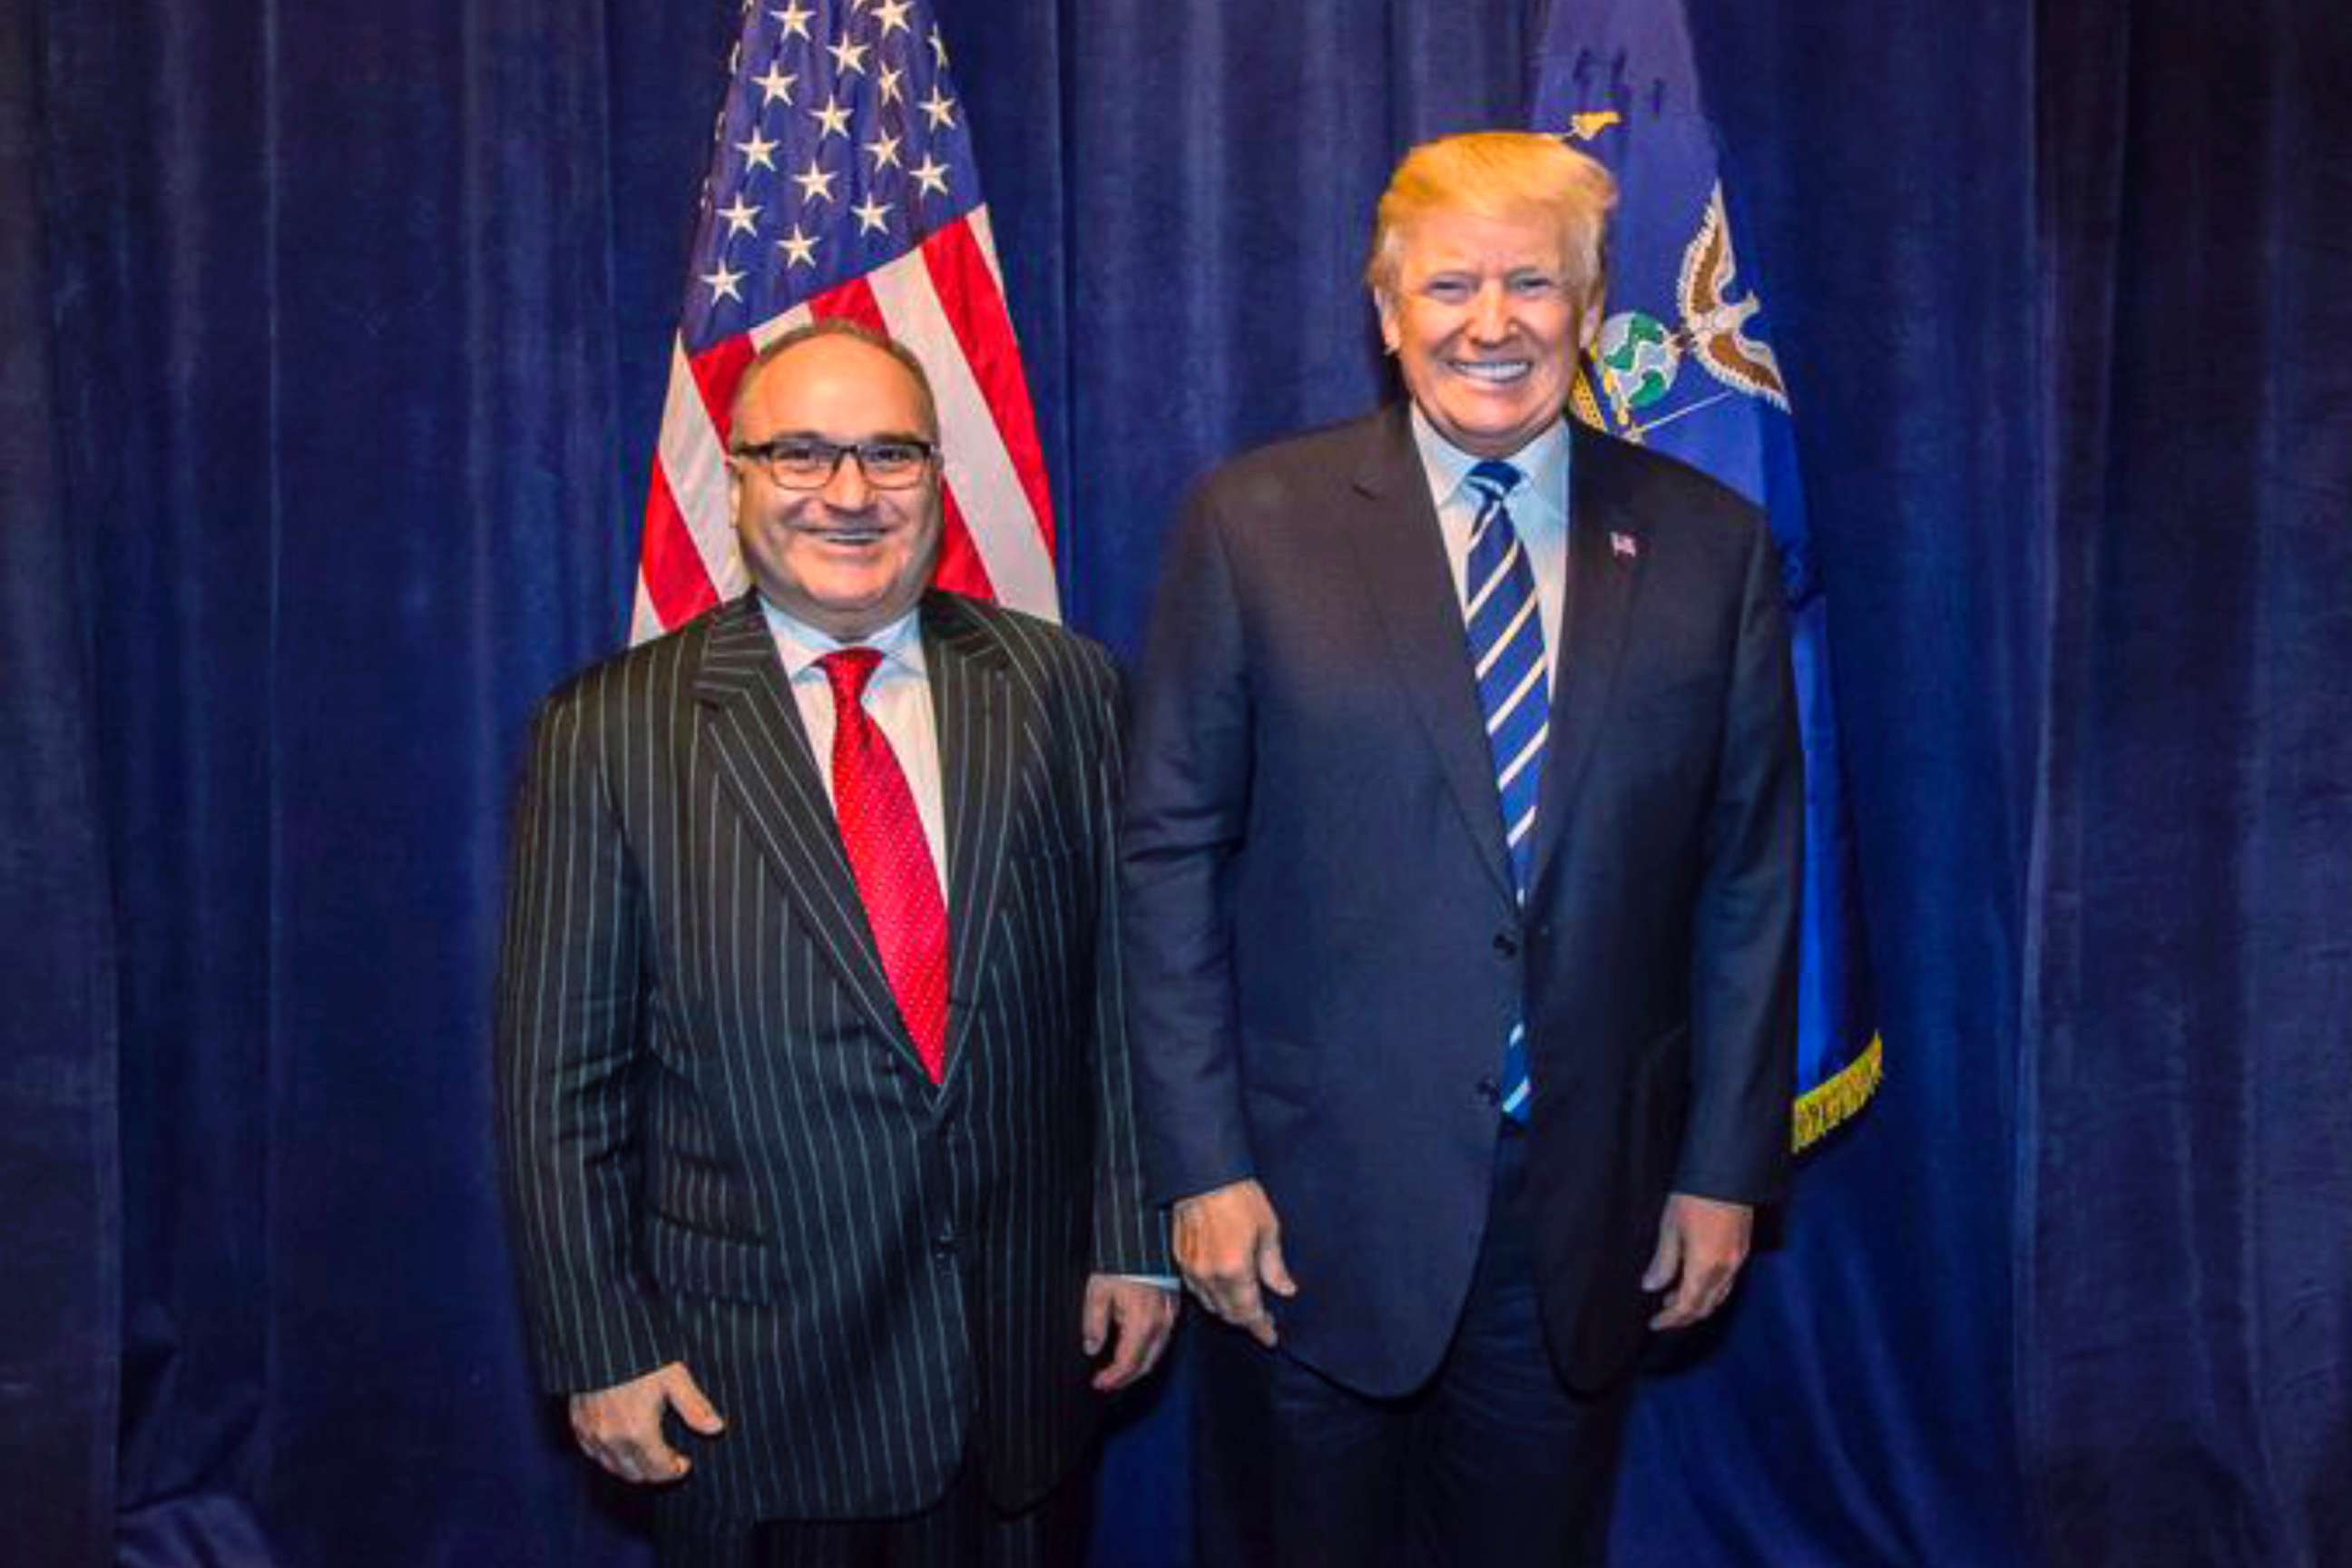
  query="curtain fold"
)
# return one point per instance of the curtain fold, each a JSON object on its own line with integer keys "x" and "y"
{"x": 2186, "y": 1304}
{"x": 60, "y": 1347}
{"x": 340, "y": 414}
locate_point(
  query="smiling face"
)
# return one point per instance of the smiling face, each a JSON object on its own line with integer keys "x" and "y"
{"x": 848, "y": 559}
{"x": 1486, "y": 318}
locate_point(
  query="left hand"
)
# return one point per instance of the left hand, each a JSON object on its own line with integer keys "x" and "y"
{"x": 1142, "y": 1313}
{"x": 1702, "y": 1242}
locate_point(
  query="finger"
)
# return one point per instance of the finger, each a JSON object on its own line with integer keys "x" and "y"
{"x": 1666, "y": 1261}
{"x": 1160, "y": 1329}
{"x": 1094, "y": 1321}
{"x": 599, "y": 1438}
{"x": 646, "y": 1457}
{"x": 1142, "y": 1337}
{"x": 1693, "y": 1300}
{"x": 1677, "y": 1313}
{"x": 693, "y": 1407}
{"x": 1127, "y": 1359}
{"x": 1720, "y": 1282}
{"x": 1273, "y": 1269}
{"x": 1237, "y": 1299}
{"x": 1206, "y": 1287}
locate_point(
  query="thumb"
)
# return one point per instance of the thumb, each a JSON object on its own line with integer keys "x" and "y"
{"x": 1272, "y": 1268}
{"x": 1094, "y": 1324}
{"x": 1667, "y": 1261}
{"x": 686, "y": 1397}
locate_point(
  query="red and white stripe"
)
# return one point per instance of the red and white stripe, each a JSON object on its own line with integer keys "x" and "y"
{"x": 945, "y": 301}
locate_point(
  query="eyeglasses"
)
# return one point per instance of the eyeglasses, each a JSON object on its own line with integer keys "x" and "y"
{"x": 806, "y": 463}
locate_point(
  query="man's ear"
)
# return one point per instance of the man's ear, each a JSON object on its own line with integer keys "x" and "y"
{"x": 1385, "y": 303}
{"x": 1588, "y": 324}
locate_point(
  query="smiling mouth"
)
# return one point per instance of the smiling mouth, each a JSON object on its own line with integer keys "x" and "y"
{"x": 1492, "y": 372}
{"x": 853, "y": 536}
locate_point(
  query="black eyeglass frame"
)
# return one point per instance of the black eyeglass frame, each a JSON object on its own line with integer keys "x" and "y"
{"x": 769, "y": 455}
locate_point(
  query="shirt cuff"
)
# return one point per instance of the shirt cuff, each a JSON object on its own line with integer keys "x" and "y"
{"x": 1165, "y": 1281}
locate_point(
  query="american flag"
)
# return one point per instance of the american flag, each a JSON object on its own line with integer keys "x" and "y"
{"x": 842, "y": 183}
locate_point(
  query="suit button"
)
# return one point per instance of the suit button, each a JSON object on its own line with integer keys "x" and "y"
{"x": 1506, "y": 944}
{"x": 944, "y": 1244}
{"x": 1489, "y": 1090}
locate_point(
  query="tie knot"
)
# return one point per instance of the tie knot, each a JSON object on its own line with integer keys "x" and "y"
{"x": 1495, "y": 479}
{"x": 848, "y": 670}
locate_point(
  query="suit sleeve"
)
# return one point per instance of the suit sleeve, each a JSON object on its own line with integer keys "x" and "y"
{"x": 1744, "y": 924}
{"x": 1189, "y": 773}
{"x": 568, "y": 1022}
{"x": 1130, "y": 1235}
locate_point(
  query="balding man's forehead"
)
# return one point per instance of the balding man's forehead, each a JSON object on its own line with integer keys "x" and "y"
{"x": 770, "y": 374}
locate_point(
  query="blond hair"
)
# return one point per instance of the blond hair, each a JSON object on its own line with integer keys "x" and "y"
{"x": 1497, "y": 174}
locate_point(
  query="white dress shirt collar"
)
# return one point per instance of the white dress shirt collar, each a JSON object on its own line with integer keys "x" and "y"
{"x": 1539, "y": 512}
{"x": 897, "y": 699}
{"x": 1542, "y": 464}
{"x": 801, "y": 645}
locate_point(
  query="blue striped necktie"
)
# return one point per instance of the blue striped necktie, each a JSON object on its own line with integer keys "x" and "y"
{"x": 1505, "y": 630}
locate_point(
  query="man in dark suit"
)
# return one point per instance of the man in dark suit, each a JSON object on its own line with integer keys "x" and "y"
{"x": 820, "y": 1156}
{"x": 1462, "y": 878}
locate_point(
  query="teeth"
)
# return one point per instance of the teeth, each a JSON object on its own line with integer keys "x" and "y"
{"x": 1492, "y": 370}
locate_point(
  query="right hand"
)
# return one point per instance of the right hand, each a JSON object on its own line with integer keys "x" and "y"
{"x": 1229, "y": 1243}
{"x": 621, "y": 1427}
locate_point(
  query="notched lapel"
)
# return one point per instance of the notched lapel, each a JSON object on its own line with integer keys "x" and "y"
{"x": 765, "y": 766}
{"x": 977, "y": 712}
{"x": 1402, "y": 564}
{"x": 1605, "y": 558}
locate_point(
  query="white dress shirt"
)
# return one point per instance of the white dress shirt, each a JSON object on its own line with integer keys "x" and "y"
{"x": 1539, "y": 510}
{"x": 897, "y": 699}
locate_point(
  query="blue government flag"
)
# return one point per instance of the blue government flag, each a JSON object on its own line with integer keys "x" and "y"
{"x": 1682, "y": 363}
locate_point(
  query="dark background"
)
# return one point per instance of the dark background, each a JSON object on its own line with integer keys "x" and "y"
{"x": 334, "y": 338}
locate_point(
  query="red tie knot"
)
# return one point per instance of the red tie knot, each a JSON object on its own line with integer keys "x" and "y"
{"x": 849, "y": 671}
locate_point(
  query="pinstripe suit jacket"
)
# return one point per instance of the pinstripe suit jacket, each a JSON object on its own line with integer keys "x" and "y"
{"x": 721, "y": 1147}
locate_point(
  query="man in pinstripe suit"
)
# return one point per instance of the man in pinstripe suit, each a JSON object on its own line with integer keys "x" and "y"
{"x": 822, "y": 1162}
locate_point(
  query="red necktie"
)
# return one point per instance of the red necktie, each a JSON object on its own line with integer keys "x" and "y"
{"x": 890, "y": 858}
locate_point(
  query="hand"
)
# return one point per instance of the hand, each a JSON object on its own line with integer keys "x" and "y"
{"x": 1228, "y": 1243}
{"x": 1143, "y": 1313}
{"x": 621, "y": 1427}
{"x": 1702, "y": 1242}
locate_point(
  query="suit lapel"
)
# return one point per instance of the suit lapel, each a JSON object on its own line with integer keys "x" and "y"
{"x": 766, "y": 766}
{"x": 1401, "y": 563}
{"x": 974, "y": 707}
{"x": 1605, "y": 553}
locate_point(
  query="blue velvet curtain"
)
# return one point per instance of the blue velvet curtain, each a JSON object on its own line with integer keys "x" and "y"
{"x": 2187, "y": 1158}
{"x": 334, "y": 338}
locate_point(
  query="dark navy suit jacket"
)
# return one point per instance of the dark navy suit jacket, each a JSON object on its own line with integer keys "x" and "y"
{"x": 1324, "y": 948}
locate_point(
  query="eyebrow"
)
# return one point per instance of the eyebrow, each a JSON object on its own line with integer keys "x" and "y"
{"x": 839, "y": 441}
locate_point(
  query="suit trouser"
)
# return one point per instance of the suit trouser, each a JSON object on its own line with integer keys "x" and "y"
{"x": 1492, "y": 1462}
{"x": 963, "y": 1529}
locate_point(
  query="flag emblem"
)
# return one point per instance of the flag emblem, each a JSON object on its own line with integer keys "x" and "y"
{"x": 842, "y": 184}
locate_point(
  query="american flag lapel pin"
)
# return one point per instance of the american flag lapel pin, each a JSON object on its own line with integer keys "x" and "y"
{"x": 1625, "y": 546}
